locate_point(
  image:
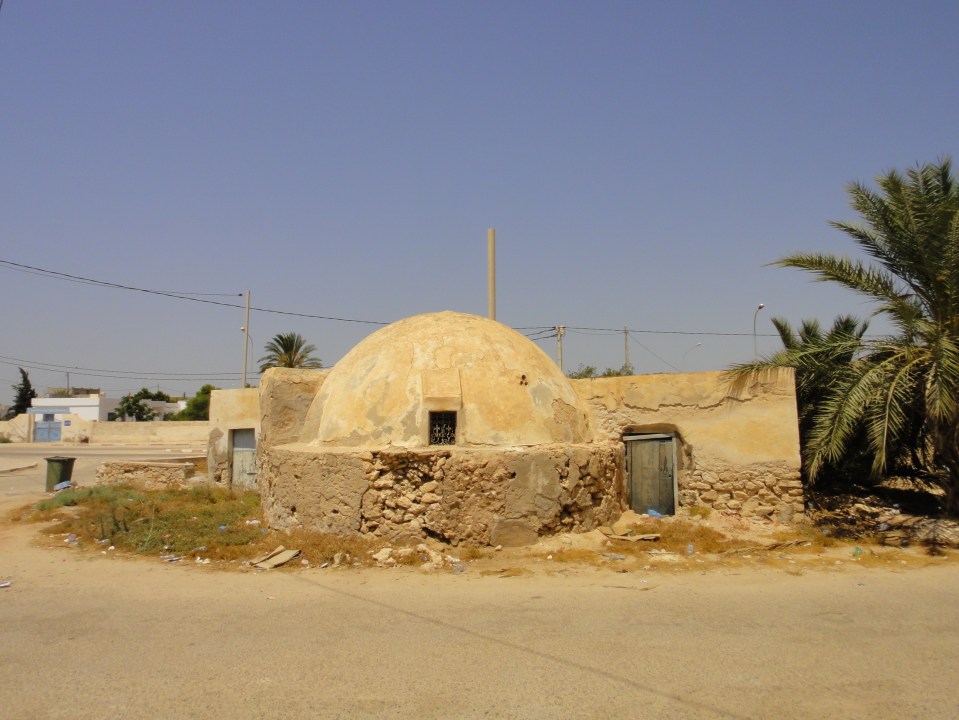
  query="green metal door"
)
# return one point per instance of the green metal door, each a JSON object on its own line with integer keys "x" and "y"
{"x": 650, "y": 461}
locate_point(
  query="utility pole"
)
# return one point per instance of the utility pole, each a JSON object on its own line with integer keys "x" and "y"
{"x": 246, "y": 336}
{"x": 491, "y": 270}
{"x": 68, "y": 384}
{"x": 627, "y": 367}
{"x": 560, "y": 331}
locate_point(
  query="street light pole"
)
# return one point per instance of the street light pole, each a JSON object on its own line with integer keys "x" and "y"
{"x": 755, "y": 315}
{"x": 246, "y": 336}
{"x": 683, "y": 362}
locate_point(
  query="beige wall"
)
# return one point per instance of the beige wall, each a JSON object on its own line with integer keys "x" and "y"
{"x": 758, "y": 424}
{"x": 140, "y": 433}
{"x": 285, "y": 399}
{"x": 19, "y": 429}
{"x": 232, "y": 409}
{"x": 739, "y": 451}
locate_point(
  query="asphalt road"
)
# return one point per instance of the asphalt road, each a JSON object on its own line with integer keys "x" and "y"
{"x": 88, "y": 636}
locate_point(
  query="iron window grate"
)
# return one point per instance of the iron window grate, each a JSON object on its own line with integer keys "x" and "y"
{"x": 442, "y": 428}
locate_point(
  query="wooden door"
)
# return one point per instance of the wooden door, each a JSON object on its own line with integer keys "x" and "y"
{"x": 651, "y": 461}
{"x": 244, "y": 458}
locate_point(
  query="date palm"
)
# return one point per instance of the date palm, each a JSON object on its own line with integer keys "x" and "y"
{"x": 289, "y": 350}
{"x": 901, "y": 390}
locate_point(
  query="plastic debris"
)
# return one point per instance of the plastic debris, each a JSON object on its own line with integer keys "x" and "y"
{"x": 654, "y": 513}
{"x": 614, "y": 556}
{"x": 5, "y": 584}
{"x": 65, "y": 485}
{"x": 171, "y": 558}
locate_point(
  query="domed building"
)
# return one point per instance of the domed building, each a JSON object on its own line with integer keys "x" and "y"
{"x": 455, "y": 427}
{"x": 445, "y": 425}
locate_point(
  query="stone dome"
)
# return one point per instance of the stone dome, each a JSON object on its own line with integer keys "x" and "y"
{"x": 489, "y": 383}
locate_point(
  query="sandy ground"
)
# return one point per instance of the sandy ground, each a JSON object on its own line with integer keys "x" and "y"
{"x": 87, "y": 636}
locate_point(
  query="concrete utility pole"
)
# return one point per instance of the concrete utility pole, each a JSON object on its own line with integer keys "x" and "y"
{"x": 627, "y": 366}
{"x": 246, "y": 336}
{"x": 560, "y": 331}
{"x": 491, "y": 270}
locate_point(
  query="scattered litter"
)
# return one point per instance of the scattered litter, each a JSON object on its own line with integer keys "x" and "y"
{"x": 65, "y": 485}
{"x": 222, "y": 528}
{"x": 5, "y": 584}
{"x": 202, "y": 561}
{"x": 253, "y": 522}
{"x": 629, "y": 537}
{"x": 654, "y": 513}
{"x": 171, "y": 558}
{"x": 112, "y": 547}
{"x": 278, "y": 556}
{"x": 690, "y": 550}
{"x": 458, "y": 568}
{"x": 614, "y": 556}
{"x": 857, "y": 553}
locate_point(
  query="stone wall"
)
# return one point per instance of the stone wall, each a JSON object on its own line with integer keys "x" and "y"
{"x": 148, "y": 475}
{"x": 508, "y": 496}
{"x": 738, "y": 448}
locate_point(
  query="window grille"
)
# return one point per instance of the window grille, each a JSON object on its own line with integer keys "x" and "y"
{"x": 442, "y": 428}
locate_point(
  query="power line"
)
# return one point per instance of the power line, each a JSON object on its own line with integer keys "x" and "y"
{"x": 179, "y": 296}
{"x": 196, "y": 297}
{"x": 662, "y": 360}
{"x": 127, "y": 375}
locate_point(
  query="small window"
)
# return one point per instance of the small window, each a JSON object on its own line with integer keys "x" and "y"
{"x": 47, "y": 417}
{"x": 442, "y": 428}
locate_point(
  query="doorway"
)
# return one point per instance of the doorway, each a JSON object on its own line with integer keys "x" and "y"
{"x": 243, "y": 473}
{"x": 651, "y": 469}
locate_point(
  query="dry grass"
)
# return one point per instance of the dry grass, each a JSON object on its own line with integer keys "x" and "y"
{"x": 202, "y": 521}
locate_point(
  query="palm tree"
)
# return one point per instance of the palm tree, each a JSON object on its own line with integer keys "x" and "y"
{"x": 816, "y": 358}
{"x": 902, "y": 389}
{"x": 289, "y": 350}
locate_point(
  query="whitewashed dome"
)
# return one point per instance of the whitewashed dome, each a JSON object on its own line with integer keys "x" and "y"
{"x": 503, "y": 389}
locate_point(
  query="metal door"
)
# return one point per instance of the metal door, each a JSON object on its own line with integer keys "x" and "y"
{"x": 651, "y": 464}
{"x": 46, "y": 431}
{"x": 244, "y": 458}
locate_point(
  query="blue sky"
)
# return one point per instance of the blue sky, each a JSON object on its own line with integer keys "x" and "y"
{"x": 642, "y": 162}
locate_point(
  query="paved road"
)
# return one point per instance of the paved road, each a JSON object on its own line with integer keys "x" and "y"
{"x": 92, "y": 637}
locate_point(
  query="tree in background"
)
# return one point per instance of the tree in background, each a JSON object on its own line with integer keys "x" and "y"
{"x": 289, "y": 350}
{"x": 23, "y": 393}
{"x": 589, "y": 371}
{"x": 197, "y": 407}
{"x": 132, "y": 405}
{"x": 901, "y": 390}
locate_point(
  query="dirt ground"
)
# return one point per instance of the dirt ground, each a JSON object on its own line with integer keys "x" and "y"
{"x": 540, "y": 633}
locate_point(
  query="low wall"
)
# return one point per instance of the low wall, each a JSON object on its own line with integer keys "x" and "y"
{"x": 138, "y": 433}
{"x": 148, "y": 475}
{"x": 498, "y": 497}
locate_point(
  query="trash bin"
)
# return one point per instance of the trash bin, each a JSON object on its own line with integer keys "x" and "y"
{"x": 59, "y": 469}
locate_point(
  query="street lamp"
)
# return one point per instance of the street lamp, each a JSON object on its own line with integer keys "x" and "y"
{"x": 683, "y": 361}
{"x": 755, "y": 315}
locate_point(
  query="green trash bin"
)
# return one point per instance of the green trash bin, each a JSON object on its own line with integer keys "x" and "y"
{"x": 59, "y": 469}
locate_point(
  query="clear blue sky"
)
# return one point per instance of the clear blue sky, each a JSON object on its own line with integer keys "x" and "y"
{"x": 641, "y": 161}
